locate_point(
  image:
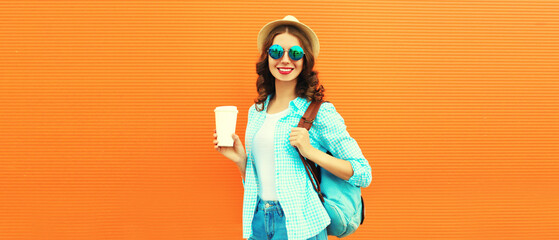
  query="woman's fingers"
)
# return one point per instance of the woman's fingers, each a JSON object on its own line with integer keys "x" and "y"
{"x": 237, "y": 141}
{"x": 215, "y": 141}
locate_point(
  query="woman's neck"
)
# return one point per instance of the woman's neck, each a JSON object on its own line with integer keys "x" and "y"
{"x": 285, "y": 91}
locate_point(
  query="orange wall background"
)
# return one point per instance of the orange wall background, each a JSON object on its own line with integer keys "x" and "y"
{"x": 106, "y": 114}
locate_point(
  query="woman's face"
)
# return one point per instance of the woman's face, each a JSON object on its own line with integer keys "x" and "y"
{"x": 285, "y": 68}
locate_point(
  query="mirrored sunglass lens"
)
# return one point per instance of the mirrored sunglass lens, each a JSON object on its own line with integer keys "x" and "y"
{"x": 296, "y": 53}
{"x": 275, "y": 51}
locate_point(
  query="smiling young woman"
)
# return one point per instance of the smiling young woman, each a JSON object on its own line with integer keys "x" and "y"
{"x": 279, "y": 200}
{"x": 268, "y": 69}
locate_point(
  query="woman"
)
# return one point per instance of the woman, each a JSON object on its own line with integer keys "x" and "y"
{"x": 279, "y": 199}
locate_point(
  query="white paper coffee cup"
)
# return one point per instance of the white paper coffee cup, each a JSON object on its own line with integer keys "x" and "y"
{"x": 225, "y": 123}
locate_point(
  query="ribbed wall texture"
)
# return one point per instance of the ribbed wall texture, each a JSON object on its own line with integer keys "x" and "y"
{"x": 106, "y": 114}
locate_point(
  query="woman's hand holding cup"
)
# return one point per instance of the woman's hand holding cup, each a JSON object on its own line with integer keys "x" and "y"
{"x": 236, "y": 153}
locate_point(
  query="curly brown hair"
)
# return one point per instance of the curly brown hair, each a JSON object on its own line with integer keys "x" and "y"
{"x": 307, "y": 86}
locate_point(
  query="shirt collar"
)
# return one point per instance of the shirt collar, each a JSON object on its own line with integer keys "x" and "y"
{"x": 299, "y": 103}
{"x": 296, "y": 104}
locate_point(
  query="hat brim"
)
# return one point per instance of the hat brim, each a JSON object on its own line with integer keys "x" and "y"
{"x": 315, "y": 45}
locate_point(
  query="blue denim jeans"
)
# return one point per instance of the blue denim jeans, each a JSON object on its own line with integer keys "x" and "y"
{"x": 269, "y": 223}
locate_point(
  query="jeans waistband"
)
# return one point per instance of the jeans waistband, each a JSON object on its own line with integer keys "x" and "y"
{"x": 269, "y": 205}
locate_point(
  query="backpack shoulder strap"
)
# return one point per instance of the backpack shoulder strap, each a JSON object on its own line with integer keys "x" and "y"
{"x": 306, "y": 122}
{"x": 309, "y": 116}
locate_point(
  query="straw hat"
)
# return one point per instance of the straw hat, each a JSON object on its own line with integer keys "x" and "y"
{"x": 289, "y": 20}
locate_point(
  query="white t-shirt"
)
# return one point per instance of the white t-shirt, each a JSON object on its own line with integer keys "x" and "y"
{"x": 263, "y": 152}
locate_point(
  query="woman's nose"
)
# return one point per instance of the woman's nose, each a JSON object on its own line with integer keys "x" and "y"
{"x": 285, "y": 58}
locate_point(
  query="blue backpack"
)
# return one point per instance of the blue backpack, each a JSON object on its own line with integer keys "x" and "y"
{"x": 342, "y": 201}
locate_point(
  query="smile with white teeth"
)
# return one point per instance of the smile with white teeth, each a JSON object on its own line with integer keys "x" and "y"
{"x": 285, "y": 70}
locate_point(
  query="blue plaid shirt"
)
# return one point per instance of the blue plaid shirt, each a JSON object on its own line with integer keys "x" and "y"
{"x": 304, "y": 212}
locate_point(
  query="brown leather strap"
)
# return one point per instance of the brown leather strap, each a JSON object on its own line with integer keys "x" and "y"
{"x": 311, "y": 169}
{"x": 309, "y": 116}
{"x": 312, "y": 177}
{"x": 306, "y": 122}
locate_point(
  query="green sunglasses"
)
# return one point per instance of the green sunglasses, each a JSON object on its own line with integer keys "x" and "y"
{"x": 295, "y": 52}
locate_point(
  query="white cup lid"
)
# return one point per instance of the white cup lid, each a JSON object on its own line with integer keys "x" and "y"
{"x": 226, "y": 109}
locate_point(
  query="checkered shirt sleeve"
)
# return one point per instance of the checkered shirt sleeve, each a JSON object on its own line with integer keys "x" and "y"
{"x": 335, "y": 138}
